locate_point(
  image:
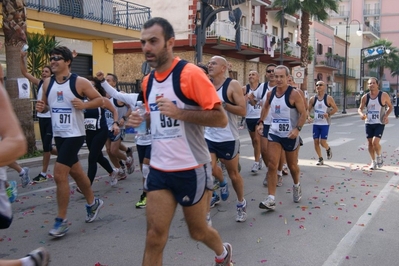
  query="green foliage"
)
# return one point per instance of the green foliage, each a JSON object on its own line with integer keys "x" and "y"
{"x": 390, "y": 61}
{"x": 38, "y": 52}
{"x": 310, "y": 53}
{"x": 36, "y": 153}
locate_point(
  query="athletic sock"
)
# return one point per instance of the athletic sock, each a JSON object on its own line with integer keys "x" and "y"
{"x": 27, "y": 261}
{"x": 223, "y": 255}
{"x": 43, "y": 174}
{"x": 272, "y": 197}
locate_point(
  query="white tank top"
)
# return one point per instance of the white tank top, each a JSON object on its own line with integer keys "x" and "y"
{"x": 176, "y": 145}
{"x": 253, "y": 112}
{"x": 66, "y": 120}
{"x": 230, "y": 132}
{"x": 375, "y": 109}
{"x": 39, "y": 97}
{"x": 320, "y": 108}
{"x": 262, "y": 99}
{"x": 284, "y": 117}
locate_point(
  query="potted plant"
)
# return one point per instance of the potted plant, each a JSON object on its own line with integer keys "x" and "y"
{"x": 328, "y": 55}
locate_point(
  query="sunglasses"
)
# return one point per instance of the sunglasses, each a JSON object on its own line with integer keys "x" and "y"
{"x": 318, "y": 85}
{"x": 56, "y": 58}
{"x": 269, "y": 71}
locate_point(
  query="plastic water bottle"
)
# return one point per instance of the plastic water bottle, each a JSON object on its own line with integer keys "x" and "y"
{"x": 142, "y": 128}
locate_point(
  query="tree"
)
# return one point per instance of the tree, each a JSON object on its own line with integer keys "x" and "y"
{"x": 316, "y": 8}
{"x": 14, "y": 28}
{"x": 38, "y": 56}
{"x": 390, "y": 61}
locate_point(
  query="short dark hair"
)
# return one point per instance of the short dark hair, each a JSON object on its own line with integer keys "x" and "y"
{"x": 64, "y": 51}
{"x": 49, "y": 68}
{"x": 269, "y": 65}
{"x": 115, "y": 77}
{"x": 203, "y": 67}
{"x": 97, "y": 85}
{"x": 167, "y": 28}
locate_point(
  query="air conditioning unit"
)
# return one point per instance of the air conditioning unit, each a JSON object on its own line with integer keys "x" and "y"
{"x": 377, "y": 18}
{"x": 340, "y": 23}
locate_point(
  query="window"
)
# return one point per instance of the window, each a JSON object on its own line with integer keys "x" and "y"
{"x": 329, "y": 50}
{"x": 319, "y": 49}
{"x": 243, "y": 22}
{"x": 275, "y": 31}
{"x": 291, "y": 36}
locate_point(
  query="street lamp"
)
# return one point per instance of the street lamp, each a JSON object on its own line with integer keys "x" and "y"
{"x": 359, "y": 33}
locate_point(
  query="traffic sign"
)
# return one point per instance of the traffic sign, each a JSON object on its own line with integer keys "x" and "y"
{"x": 298, "y": 81}
{"x": 298, "y": 74}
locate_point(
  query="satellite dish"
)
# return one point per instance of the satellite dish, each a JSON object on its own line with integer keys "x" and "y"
{"x": 145, "y": 68}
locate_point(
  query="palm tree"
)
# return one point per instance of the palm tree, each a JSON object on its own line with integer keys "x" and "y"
{"x": 38, "y": 56}
{"x": 14, "y": 28}
{"x": 389, "y": 60}
{"x": 316, "y": 8}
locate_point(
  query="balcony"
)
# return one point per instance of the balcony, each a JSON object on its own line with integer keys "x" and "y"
{"x": 118, "y": 13}
{"x": 224, "y": 30}
{"x": 340, "y": 14}
{"x": 371, "y": 30}
{"x": 371, "y": 12}
{"x": 328, "y": 62}
{"x": 350, "y": 72}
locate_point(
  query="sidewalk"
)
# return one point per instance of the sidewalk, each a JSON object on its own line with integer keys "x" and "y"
{"x": 129, "y": 142}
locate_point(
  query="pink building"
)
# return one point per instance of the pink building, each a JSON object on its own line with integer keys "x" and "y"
{"x": 377, "y": 20}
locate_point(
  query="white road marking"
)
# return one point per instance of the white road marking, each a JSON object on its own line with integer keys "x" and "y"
{"x": 339, "y": 141}
{"x": 349, "y": 240}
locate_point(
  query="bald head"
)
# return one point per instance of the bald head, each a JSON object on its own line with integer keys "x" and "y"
{"x": 217, "y": 66}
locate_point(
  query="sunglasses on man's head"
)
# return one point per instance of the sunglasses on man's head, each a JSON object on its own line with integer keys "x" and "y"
{"x": 56, "y": 58}
{"x": 269, "y": 71}
{"x": 318, "y": 85}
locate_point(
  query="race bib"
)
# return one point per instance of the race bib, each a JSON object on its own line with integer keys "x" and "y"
{"x": 62, "y": 119}
{"x": 90, "y": 123}
{"x": 282, "y": 126}
{"x": 318, "y": 115}
{"x": 373, "y": 116}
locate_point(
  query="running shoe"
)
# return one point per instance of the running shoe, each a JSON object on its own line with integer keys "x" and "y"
{"x": 268, "y": 204}
{"x": 224, "y": 191}
{"x": 12, "y": 191}
{"x": 129, "y": 152}
{"x": 379, "y": 161}
{"x": 130, "y": 165}
{"x": 373, "y": 165}
{"x": 297, "y": 195}
{"x": 265, "y": 182}
{"x": 320, "y": 161}
{"x": 280, "y": 179}
{"x": 285, "y": 169}
{"x": 329, "y": 153}
{"x": 215, "y": 200}
{"x": 241, "y": 212}
{"x": 141, "y": 204}
{"x": 39, "y": 178}
{"x": 255, "y": 167}
{"x": 122, "y": 174}
{"x": 260, "y": 163}
{"x": 227, "y": 260}
{"x": 114, "y": 178}
{"x": 92, "y": 211}
{"x": 40, "y": 256}
{"x": 25, "y": 179}
{"x": 60, "y": 228}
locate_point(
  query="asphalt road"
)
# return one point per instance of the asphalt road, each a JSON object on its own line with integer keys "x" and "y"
{"x": 347, "y": 216}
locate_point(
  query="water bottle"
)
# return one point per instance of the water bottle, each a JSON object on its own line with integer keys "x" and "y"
{"x": 142, "y": 128}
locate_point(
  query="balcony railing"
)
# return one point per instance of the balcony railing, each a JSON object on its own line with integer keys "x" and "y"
{"x": 340, "y": 14}
{"x": 371, "y": 29}
{"x": 322, "y": 60}
{"x": 371, "y": 12}
{"x": 113, "y": 12}
{"x": 225, "y": 30}
{"x": 350, "y": 72}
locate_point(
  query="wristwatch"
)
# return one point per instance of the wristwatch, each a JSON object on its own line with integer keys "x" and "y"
{"x": 224, "y": 104}
{"x": 299, "y": 128}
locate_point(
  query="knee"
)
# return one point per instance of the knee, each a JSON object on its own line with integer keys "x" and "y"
{"x": 197, "y": 234}
{"x": 156, "y": 238}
